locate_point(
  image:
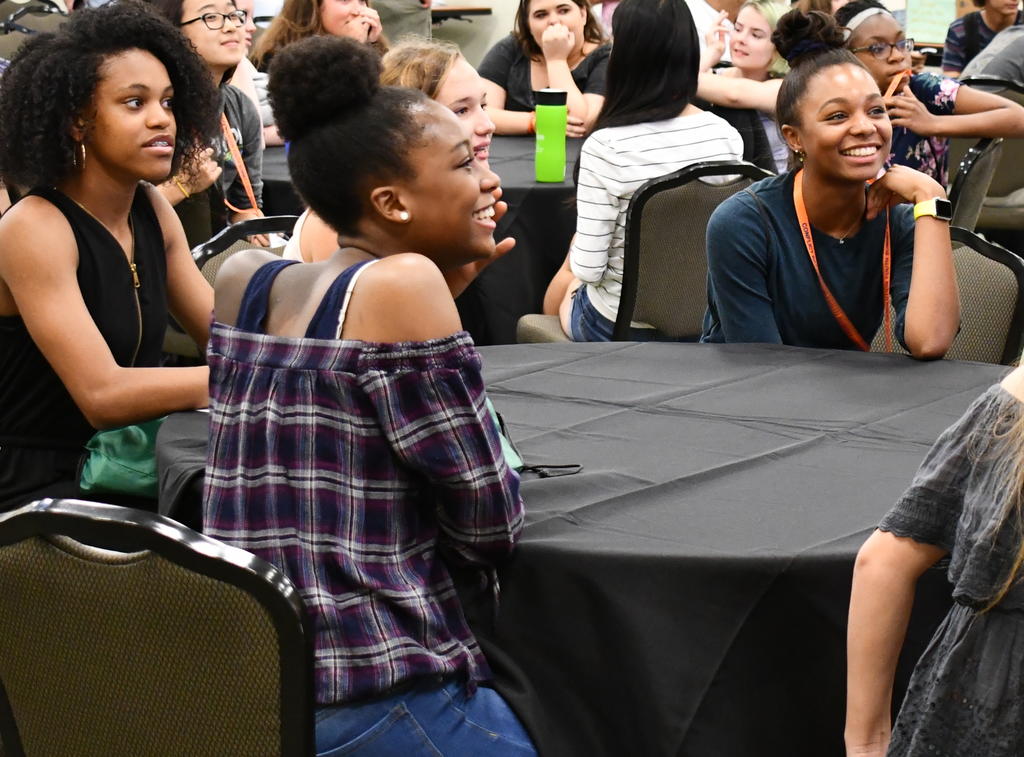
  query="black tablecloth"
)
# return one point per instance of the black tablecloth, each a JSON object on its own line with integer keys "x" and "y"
{"x": 686, "y": 593}
{"x": 541, "y": 217}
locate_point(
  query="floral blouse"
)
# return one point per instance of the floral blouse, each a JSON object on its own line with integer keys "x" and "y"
{"x": 926, "y": 154}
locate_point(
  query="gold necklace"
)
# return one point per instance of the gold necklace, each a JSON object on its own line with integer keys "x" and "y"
{"x": 131, "y": 245}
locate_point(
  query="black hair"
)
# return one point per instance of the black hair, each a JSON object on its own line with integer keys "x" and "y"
{"x": 810, "y": 43}
{"x": 172, "y": 10}
{"x": 851, "y": 9}
{"x": 652, "y": 70}
{"x": 47, "y": 90}
{"x": 345, "y": 132}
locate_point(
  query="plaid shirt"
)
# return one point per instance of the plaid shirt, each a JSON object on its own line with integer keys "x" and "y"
{"x": 347, "y": 464}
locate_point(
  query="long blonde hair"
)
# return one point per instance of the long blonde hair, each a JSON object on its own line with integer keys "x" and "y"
{"x": 297, "y": 20}
{"x": 1009, "y": 482}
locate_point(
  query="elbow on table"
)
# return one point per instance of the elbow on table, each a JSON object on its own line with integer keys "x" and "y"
{"x": 933, "y": 346}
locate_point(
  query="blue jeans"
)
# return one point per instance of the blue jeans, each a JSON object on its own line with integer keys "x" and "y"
{"x": 588, "y": 325}
{"x": 429, "y": 720}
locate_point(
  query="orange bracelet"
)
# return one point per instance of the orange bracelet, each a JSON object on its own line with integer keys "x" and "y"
{"x": 532, "y": 128}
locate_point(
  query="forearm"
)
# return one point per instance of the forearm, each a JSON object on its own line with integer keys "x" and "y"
{"x": 737, "y": 93}
{"x": 998, "y": 122}
{"x": 879, "y": 613}
{"x": 884, "y": 578}
{"x": 131, "y": 395}
{"x": 511, "y": 121}
{"x": 933, "y": 305}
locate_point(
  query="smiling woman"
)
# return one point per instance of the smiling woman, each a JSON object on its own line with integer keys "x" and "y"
{"x": 866, "y": 251}
{"x": 93, "y": 257}
{"x": 556, "y": 44}
{"x": 925, "y": 109}
{"x": 358, "y": 374}
{"x": 216, "y": 29}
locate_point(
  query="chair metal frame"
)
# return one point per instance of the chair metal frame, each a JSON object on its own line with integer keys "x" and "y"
{"x": 634, "y": 218}
{"x": 993, "y": 83}
{"x": 1015, "y": 333}
{"x": 128, "y": 530}
{"x": 236, "y": 232}
{"x": 966, "y": 175}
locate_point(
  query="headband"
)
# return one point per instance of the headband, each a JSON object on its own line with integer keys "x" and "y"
{"x": 860, "y": 18}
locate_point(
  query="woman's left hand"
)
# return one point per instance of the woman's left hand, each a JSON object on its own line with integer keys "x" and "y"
{"x": 900, "y": 184}
{"x": 575, "y": 127}
{"x": 909, "y": 112}
{"x": 372, "y": 19}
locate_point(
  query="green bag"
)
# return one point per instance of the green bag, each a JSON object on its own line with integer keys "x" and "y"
{"x": 122, "y": 461}
{"x": 512, "y": 457}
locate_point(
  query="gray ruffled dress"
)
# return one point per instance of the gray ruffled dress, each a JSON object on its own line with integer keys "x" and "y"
{"x": 966, "y": 696}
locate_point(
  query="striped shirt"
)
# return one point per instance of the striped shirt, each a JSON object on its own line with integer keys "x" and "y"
{"x": 614, "y": 163}
{"x": 348, "y": 465}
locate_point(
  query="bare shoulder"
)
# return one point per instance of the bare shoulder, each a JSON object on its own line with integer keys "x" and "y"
{"x": 232, "y": 280}
{"x": 403, "y": 297}
{"x": 35, "y": 227}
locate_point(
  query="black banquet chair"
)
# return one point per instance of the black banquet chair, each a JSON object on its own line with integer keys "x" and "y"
{"x": 664, "y": 277}
{"x": 210, "y": 256}
{"x": 973, "y": 178}
{"x": 125, "y": 633}
{"x": 991, "y": 283}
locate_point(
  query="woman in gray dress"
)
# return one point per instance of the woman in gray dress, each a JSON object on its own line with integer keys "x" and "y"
{"x": 966, "y": 696}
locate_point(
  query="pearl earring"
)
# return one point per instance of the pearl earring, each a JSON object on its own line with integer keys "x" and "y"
{"x": 404, "y": 215}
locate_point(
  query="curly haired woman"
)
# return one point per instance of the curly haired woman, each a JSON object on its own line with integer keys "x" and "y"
{"x": 94, "y": 257}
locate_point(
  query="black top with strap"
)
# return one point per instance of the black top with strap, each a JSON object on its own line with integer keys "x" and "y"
{"x": 326, "y": 321}
{"x": 41, "y": 429}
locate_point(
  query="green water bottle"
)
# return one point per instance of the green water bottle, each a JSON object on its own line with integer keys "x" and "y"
{"x": 552, "y": 114}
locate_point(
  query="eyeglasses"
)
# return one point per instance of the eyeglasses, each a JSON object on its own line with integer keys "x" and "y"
{"x": 881, "y": 50}
{"x": 215, "y": 21}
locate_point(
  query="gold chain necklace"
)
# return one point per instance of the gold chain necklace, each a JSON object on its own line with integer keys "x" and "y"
{"x": 131, "y": 248}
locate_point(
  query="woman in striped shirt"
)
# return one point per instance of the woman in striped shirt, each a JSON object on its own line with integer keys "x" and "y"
{"x": 647, "y": 128}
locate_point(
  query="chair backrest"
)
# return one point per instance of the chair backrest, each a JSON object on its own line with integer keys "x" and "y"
{"x": 210, "y": 256}
{"x": 664, "y": 277}
{"x": 127, "y": 633}
{"x": 991, "y": 283}
{"x": 970, "y": 184}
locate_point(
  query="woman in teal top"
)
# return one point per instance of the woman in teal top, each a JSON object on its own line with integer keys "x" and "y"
{"x": 763, "y": 285}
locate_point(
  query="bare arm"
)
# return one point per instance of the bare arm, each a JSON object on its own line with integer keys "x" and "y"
{"x": 933, "y": 306}
{"x": 38, "y": 269}
{"x": 556, "y": 45}
{"x": 884, "y": 578}
{"x": 735, "y": 92}
{"x": 978, "y": 114}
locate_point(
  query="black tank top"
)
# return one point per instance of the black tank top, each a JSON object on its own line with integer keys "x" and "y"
{"x": 37, "y": 415}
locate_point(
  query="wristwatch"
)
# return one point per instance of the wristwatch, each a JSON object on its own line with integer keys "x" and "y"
{"x": 937, "y": 207}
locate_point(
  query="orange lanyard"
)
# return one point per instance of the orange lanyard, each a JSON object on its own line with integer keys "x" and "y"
{"x": 236, "y": 155}
{"x": 837, "y": 311}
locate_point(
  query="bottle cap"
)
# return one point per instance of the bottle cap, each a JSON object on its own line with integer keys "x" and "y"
{"x": 551, "y": 97}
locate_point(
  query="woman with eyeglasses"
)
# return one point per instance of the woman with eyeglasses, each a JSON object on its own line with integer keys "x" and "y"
{"x": 216, "y": 29}
{"x": 925, "y": 109}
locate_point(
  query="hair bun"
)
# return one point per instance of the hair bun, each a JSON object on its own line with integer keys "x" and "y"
{"x": 800, "y": 35}
{"x": 316, "y": 79}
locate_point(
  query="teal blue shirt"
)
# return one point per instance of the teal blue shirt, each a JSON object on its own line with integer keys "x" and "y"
{"x": 762, "y": 286}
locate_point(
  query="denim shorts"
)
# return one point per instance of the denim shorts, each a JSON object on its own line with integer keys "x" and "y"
{"x": 588, "y": 325}
{"x": 431, "y": 719}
